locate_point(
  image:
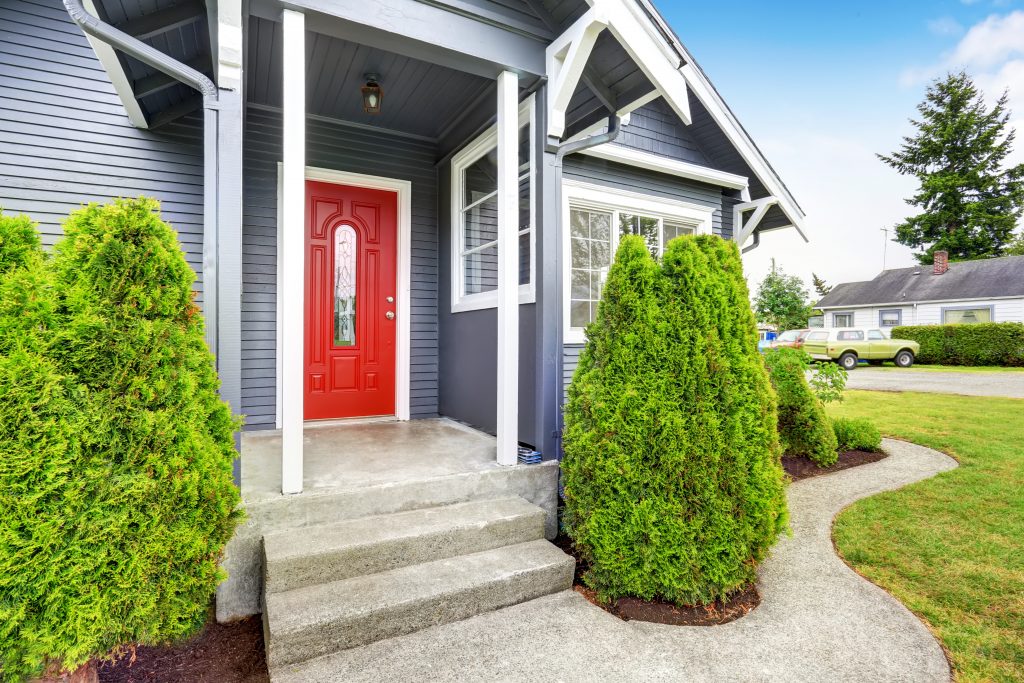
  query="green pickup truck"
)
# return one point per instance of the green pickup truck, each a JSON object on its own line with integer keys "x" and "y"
{"x": 850, "y": 345}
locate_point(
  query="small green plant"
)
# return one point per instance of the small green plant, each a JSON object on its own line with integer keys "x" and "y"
{"x": 856, "y": 434}
{"x": 828, "y": 380}
{"x": 19, "y": 242}
{"x": 116, "y": 492}
{"x": 673, "y": 484}
{"x": 803, "y": 424}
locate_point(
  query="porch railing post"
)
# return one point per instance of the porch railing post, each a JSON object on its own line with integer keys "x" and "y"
{"x": 508, "y": 268}
{"x": 292, "y": 250}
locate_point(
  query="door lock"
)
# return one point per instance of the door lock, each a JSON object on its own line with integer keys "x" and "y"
{"x": 390, "y": 315}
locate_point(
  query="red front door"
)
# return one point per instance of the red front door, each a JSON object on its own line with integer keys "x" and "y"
{"x": 350, "y": 301}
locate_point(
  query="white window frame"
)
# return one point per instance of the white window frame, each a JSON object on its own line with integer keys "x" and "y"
{"x": 460, "y": 162}
{"x": 853, "y": 318}
{"x": 580, "y": 195}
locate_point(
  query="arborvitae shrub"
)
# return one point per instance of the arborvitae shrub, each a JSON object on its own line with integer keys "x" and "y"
{"x": 19, "y": 241}
{"x": 673, "y": 486}
{"x": 803, "y": 424}
{"x": 116, "y": 476}
{"x": 856, "y": 434}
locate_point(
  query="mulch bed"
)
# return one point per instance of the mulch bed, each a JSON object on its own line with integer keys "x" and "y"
{"x": 660, "y": 612}
{"x": 801, "y": 468}
{"x": 222, "y": 653}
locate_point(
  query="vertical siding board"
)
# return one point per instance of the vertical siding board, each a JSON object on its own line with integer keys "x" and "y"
{"x": 67, "y": 140}
{"x": 346, "y": 149}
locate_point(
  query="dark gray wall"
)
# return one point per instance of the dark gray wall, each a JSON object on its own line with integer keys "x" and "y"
{"x": 342, "y": 148}
{"x": 469, "y": 348}
{"x": 65, "y": 139}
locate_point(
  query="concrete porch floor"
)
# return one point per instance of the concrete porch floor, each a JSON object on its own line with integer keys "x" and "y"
{"x": 358, "y": 454}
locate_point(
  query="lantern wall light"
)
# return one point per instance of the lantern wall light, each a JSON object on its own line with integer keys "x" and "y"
{"x": 372, "y": 94}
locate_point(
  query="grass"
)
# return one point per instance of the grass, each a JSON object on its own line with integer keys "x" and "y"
{"x": 953, "y": 368}
{"x": 950, "y": 548}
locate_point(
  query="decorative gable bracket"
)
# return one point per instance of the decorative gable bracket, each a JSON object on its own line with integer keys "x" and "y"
{"x": 743, "y": 231}
{"x": 565, "y": 60}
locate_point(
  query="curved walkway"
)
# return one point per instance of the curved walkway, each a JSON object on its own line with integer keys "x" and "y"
{"x": 818, "y": 620}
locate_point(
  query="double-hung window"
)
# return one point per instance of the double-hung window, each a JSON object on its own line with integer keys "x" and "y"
{"x": 475, "y": 218}
{"x": 596, "y": 218}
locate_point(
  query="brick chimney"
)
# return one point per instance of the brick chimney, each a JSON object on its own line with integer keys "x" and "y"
{"x": 941, "y": 262}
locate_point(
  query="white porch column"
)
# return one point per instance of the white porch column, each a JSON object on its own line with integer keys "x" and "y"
{"x": 508, "y": 267}
{"x": 292, "y": 249}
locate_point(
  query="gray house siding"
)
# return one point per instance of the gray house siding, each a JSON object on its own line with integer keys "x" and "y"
{"x": 343, "y": 148}
{"x": 67, "y": 141}
{"x": 655, "y": 128}
{"x": 468, "y": 349}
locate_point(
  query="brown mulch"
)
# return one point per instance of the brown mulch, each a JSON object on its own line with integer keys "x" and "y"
{"x": 221, "y": 653}
{"x": 801, "y": 468}
{"x": 660, "y": 612}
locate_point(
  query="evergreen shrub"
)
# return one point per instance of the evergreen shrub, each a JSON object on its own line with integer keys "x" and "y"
{"x": 856, "y": 434}
{"x": 116, "y": 491}
{"x": 673, "y": 483}
{"x": 804, "y": 427}
{"x": 967, "y": 344}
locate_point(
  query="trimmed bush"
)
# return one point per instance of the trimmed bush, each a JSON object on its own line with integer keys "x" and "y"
{"x": 803, "y": 425}
{"x": 967, "y": 344}
{"x": 19, "y": 241}
{"x": 116, "y": 476}
{"x": 673, "y": 484}
{"x": 854, "y": 434}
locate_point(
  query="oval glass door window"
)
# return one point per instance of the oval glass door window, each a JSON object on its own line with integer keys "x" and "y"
{"x": 345, "y": 286}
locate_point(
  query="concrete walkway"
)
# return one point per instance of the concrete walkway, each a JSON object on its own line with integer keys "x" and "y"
{"x": 818, "y": 620}
{"x": 1009, "y": 384}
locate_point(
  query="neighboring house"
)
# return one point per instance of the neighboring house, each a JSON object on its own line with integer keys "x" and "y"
{"x": 988, "y": 290}
{"x": 397, "y": 208}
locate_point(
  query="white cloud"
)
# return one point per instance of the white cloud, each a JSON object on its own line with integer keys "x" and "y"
{"x": 945, "y": 26}
{"x": 991, "y": 42}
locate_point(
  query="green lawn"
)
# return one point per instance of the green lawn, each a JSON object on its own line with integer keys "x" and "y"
{"x": 950, "y": 548}
{"x": 954, "y": 368}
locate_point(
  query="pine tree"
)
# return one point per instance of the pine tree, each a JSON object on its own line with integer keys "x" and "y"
{"x": 969, "y": 203}
{"x": 820, "y": 286}
{"x": 673, "y": 485}
{"x": 781, "y": 301}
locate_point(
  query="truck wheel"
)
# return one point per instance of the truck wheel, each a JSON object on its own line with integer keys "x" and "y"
{"x": 904, "y": 359}
{"x": 848, "y": 360}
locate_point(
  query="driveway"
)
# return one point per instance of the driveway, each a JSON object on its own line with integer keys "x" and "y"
{"x": 1009, "y": 384}
{"x": 817, "y": 621}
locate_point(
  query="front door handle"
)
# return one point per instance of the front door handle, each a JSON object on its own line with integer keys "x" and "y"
{"x": 390, "y": 315}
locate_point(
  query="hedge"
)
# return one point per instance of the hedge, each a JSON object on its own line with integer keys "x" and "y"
{"x": 116, "y": 491}
{"x": 856, "y": 434}
{"x": 967, "y": 344}
{"x": 673, "y": 483}
{"x": 804, "y": 428}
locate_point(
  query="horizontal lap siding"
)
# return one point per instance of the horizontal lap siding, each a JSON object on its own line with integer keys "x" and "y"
{"x": 345, "y": 149}
{"x": 66, "y": 137}
{"x": 655, "y": 128}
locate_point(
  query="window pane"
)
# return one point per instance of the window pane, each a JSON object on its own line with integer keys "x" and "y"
{"x": 889, "y": 318}
{"x": 524, "y": 258}
{"x": 524, "y": 148}
{"x": 850, "y": 335}
{"x": 481, "y": 270}
{"x": 646, "y": 227}
{"x": 967, "y": 316}
{"x": 591, "y": 257}
{"x": 481, "y": 224}
{"x": 480, "y": 178}
{"x": 842, "y": 320}
{"x": 875, "y": 335}
{"x": 344, "y": 286}
{"x": 673, "y": 230}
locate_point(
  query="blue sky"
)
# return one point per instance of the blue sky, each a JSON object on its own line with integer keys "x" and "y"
{"x": 822, "y": 86}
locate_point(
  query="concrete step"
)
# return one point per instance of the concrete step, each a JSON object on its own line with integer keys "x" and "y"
{"x": 310, "y": 622}
{"x": 370, "y": 545}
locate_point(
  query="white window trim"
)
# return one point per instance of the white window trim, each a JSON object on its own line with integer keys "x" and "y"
{"x": 576, "y": 194}
{"x": 460, "y": 162}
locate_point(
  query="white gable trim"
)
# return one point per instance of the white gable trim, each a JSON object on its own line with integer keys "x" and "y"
{"x": 118, "y": 78}
{"x": 657, "y": 55}
{"x": 655, "y": 162}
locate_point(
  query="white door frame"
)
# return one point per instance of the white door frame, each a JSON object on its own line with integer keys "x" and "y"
{"x": 403, "y": 190}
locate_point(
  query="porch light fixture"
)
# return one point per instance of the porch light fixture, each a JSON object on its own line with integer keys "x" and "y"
{"x": 372, "y": 94}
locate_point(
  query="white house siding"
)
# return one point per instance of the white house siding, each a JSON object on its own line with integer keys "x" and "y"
{"x": 1005, "y": 310}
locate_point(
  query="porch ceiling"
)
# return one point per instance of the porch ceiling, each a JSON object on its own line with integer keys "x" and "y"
{"x": 419, "y": 97}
